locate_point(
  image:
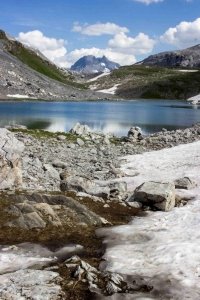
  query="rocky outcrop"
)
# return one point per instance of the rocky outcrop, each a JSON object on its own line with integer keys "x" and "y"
{"x": 38, "y": 211}
{"x": 160, "y": 195}
{"x": 187, "y": 58}
{"x": 10, "y": 160}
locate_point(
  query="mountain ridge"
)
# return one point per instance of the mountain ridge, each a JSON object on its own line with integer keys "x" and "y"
{"x": 186, "y": 58}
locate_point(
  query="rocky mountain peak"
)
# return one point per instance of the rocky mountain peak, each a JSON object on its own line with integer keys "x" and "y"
{"x": 90, "y": 64}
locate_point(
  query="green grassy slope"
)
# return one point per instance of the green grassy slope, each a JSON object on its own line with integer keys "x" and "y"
{"x": 139, "y": 81}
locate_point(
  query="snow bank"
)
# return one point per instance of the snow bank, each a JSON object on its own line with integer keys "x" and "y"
{"x": 188, "y": 71}
{"x": 19, "y": 96}
{"x": 111, "y": 90}
{"x": 194, "y": 99}
{"x": 161, "y": 250}
{"x": 28, "y": 255}
{"x": 99, "y": 76}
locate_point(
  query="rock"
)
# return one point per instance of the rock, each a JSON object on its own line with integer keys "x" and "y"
{"x": 185, "y": 183}
{"x": 61, "y": 137}
{"x": 47, "y": 212}
{"x": 59, "y": 164}
{"x": 80, "y": 142}
{"x": 157, "y": 194}
{"x": 81, "y": 184}
{"x": 118, "y": 188}
{"x": 134, "y": 204}
{"x": 31, "y": 284}
{"x": 28, "y": 221}
{"x": 10, "y": 160}
{"x": 39, "y": 211}
{"x": 52, "y": 172}
{"x": 135, "y": 133}
{"x": 79, "y": 129}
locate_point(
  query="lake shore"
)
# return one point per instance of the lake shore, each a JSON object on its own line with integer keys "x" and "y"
{"x": 65, "y": 186}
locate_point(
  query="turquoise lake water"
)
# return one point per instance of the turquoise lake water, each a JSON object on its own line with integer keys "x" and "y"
{"x": 114, "y": 117}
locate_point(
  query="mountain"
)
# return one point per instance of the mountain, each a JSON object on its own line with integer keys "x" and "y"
{"x": 26, "y": 72}
{"x": 91, "y": 65}
{"x": 187, "y": 58}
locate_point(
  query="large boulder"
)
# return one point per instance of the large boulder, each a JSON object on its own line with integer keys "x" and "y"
{"x": 79, "y": 129}
{"x": 81, "y": 184}
{"x": 10, "y": 160}
{"x": 135, "y": 133}
{"x": 160, "y": 195}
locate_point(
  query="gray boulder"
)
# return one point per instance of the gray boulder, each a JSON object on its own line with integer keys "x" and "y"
{"x": 79, "y": 129}
{"x": 80, "y": 142}
{"x": 10, "y": 160}
{"x": 81, "y": 184}
{"x": 160, "y": 195}
{"x": 135, "y": 133}
{"x": 185, "y": 183}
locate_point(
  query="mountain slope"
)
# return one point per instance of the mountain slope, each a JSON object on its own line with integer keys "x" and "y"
{"x": 91, "y": 65}
{"x": 25, "y": 72}
{"x": 187, "y": 58}
{"x": 34, "y": 59}
{"x": 139, "y": 81}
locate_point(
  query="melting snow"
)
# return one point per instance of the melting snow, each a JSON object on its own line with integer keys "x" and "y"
{"x": 19, "y": 96}
{"x": 188, "y": 71}
{"x": 111, "y": 90}
{"x": 161, "y": 250}
{"x": 99, "y": 76}
{"x": 195, "y": 99}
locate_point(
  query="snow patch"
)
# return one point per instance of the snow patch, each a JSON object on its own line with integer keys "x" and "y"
{"x": 195, "y": 99}
{"x": 18, "y": 96}
{"x": 161, "y": 250}
{"x": 111, "y": 90}
{"x": 188, "y": 71}
{"x": 99, "y": 76}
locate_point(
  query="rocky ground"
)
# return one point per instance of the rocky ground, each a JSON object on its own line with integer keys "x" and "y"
{"x": 56, "y": 189}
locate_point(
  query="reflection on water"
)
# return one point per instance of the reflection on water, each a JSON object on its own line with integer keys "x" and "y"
{"x": 114, "y": 117}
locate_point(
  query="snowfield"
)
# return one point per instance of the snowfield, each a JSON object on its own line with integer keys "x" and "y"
{"x": 160, "y": 250}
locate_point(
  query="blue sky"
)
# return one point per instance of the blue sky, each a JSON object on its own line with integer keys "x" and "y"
{"x": 123, "y": 30}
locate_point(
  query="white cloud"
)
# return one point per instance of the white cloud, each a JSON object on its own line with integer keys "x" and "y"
{"x": 141, "y": 44}
{"x": 148, "y": 1}
{"x": 184, "y": 34}
{"x": 99, "y": 29}
{"x": 53, "y": 49}
{"x": 121, "y": 48}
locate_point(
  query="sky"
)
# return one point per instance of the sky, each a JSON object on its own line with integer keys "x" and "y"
{"x": 126, "y": 31}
